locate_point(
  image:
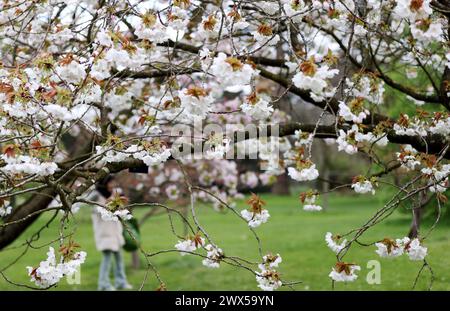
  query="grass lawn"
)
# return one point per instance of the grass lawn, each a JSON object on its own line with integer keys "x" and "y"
{"x": 297, "y": 235}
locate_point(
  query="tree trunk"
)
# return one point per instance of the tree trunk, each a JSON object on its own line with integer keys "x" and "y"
{"x": 34, "y": 204}
{"x": 417, "y": 215}
{"x": 325, "y": 187}
{"x": 135, "y": 260}
{"x": 281, "y": 186}
{"x": 415, "y": 223}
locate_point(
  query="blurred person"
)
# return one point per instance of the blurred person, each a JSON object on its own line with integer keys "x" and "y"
{"x": 109, "y": 240}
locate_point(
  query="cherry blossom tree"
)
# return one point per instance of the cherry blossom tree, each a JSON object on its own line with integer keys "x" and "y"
{"x": 180, "y": 89}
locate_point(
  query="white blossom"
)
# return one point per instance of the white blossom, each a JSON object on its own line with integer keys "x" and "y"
{"x": 49, "y": 272}
{"x": 408, "y": 157}
{"x": 268, "y": 280}
{"x": 210, "y": 28}
{"x": 196, "y": 102}
{"x": 344, "y": 142}
{"x": 409, "y": 128}
{"x": 312, "y": 208}
{"x": 5, "y": 209}
{"x": 414, "y": 249}
{"x": 389, "y": 248}
{"x": 103, "y": 38}
{"x": 255, "y": 219}
{"x": 441, "y": 126}
{"x": 305, "y": 174}
{"x": 309, "y": 202}
{"x": 413, "y": 10}
{"x": 332, "y": 242}
{"x": 231, "y": 71}
{"x": 380, "y": 140}
{"x": 438, "y": 177}
{"x": 189, "y": 245}
{"x": 295, "y": 9}
{"x": 367, "y": 88}
{"x": 348, "y": 115}
{"x": 315, "y": 80}
{"x": 363, "y": 187}
{"x": 108, "y": 215}
{"x": 344, "y": 276}
{"x": 259, "y": 110}
{"x": 27, "y": 165}
{"x": 270, "y": 261}
{"x": 157, "y": 33}
{"x": 432, "y": 33}
{"x": 119, "y": 58}
{"x": 303, "y": 138}
{"x": 214, "y": 255}
{"x": 173, "y": 192}
{"x": 72, "y": 73}
{"x": 262, "y": 39}
{"x": 59, "y": 112}
{"x": 216, "y": 147}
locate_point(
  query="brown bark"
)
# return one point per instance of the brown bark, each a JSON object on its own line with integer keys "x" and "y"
{"x": 135, "y": 260}
{"x": 417, "y": 214}
{"x": 281, "y": 186}
{"x": 415, "y": 223}
{"x": 34, "y": 204}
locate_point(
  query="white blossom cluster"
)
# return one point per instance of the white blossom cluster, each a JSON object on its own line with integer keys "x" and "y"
{"x": 408, "y": 157}
{"x": 303, "y": 138}
{"x": 213, "y": 256}
{"x": 268, "y": 278}
{"x": 305, "y": 174}
{"x": 255, "y": 219}
{"x": 417, "y": 14}
{"x": 173, "y": 192}
{"x": 231, "y": 71}
{"x": 362, "y": 185}
{"x": 333, "y": 242}
{"x": 355, "y": 116}
{"x": 258, "y": 108}
{"x": 347, "y": 274}
{"x": 309, "y": 201}
{"x": 410, "y": 127}
{"x": 441, "y": 126}
{"x": 390, "y": 248}
{"x": 196, "y": 102}
{"x": 315, "y": 79}
{"x": 367, "y": 88}
{"x": 49, "y": 272}
{"x": 23, "y": 164}
{"x": 189, "y": 245}
{"x": 149, "y": 157}
{"x": 349, "y": 141}
{"x": 108, "y": 215}
{"x": 216, "y": 147}
{"x": 437, "y": 177}
{"x": 346, "y": 141}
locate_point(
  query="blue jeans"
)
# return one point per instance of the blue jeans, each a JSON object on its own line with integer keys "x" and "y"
{"x": 120, "y": 279}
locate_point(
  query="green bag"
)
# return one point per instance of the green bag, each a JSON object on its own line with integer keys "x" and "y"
{"x": 133, "y": 240}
